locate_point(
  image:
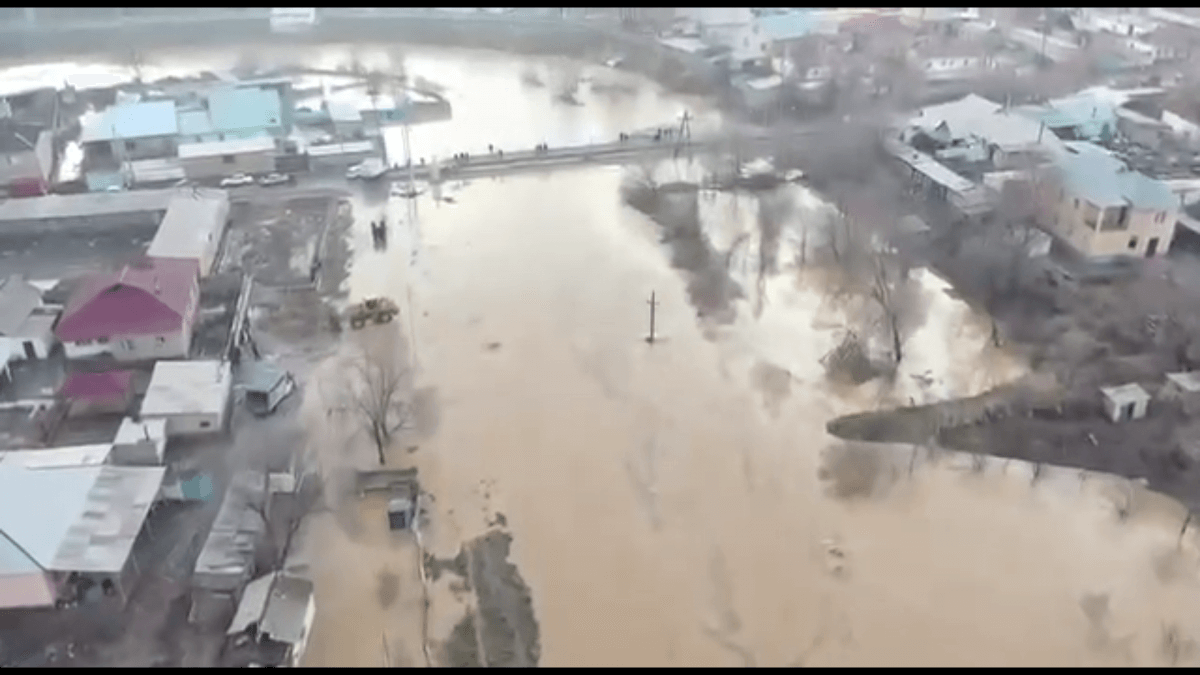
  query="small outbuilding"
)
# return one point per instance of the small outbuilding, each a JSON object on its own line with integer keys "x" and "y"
{"x": 1183, "y": 388}
{"x": 106, "y": 393}
{"x": 272, "y": 623}
{"x": 192, "y": 396}
{"x": 140, "y": 442}
{"x": 1125, "y": 402}
{"x": 192, "y": 228}
{"x": 266, "y": 385}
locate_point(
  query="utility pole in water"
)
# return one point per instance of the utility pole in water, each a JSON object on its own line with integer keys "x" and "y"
{"x": 653, "y": 306}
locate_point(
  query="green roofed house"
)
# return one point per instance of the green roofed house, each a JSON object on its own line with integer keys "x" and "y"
{"x": 231, "y": 130}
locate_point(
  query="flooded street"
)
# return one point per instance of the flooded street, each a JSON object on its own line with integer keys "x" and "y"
{"x": 676, "y": 503}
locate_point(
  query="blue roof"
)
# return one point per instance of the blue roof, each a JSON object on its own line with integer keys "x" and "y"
{"x": 194, "y": 123}
{"x": 789, "y": 26}
{"x": 238, "y": 109}
{"x": 1094, "y": 174}
{"x": 37, "y": 509}
{"x": 1087, "y": 113}
{"x": 131, "y": 120}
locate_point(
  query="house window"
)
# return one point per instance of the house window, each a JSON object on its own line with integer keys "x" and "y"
{"x": 205, "y": 424}
{"x": 127, "y": 345}
{"x": 83, "y": 343}
{"x": 160, "y": 340}
{"x": 130, "y": 145}
{"x": 228, "y": 159}
{"x": 101, "y": 340}
{"x": 1132, "y": 243}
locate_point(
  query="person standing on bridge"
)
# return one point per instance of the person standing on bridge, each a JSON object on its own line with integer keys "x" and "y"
{"x": 491, "y": 149}
{"x": 499, "y": 153}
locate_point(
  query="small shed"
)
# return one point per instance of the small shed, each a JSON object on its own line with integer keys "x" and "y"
{"x": 1125, "y": 402}
{"x": 192, "y": 396}
{"x": 108, "y": 392}
{"x": 1184, "y": 388}
{"x": 401, "y": 513}
{"x": 140, "y": 442}
{"x": 272, "y": 623}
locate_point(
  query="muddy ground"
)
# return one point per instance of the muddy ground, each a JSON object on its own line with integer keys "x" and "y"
{"x": 502, "y": 630}
{"x": 279, "y": 242}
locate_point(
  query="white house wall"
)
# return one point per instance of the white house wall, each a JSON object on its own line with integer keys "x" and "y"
{"x": 1070, "y": 223}
{"x": 135, "y": 347}
{"x": 192, "y": 425}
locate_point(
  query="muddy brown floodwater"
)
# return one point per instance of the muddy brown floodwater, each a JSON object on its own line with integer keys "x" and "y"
{"x": 676, "y": 504}
{"x": 666, "y": 502}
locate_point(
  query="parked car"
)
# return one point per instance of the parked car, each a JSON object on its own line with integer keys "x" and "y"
{"x": 368, "y": 169}
{"x": 403, "y": 191}
{"x": 237, "y": 180}
{"x": 276, "y": 179}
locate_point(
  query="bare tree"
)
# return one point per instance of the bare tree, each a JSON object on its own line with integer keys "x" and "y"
{"x": 288, "y": 498}
{"x": 376, "y": 394}
{"x": 866, "y": 265}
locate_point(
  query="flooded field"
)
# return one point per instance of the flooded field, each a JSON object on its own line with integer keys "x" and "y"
{"x": 679, "y": 503}
{"x": 653, "y": 490}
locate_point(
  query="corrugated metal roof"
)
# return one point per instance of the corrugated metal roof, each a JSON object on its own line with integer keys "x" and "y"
{"x": 131, "y": 121}
{"x": 238, "y": 109}
{"x": 1094, "y": 174}
{"x": 974, "y": 115}
{"x": 278, "y": 603}
{"x": 228, "y": 553}
{"x": 187, "y": 387}
{"x": 37, "y": 509}
{"x": 117, "y": 504}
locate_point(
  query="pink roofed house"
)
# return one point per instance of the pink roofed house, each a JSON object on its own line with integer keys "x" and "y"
{"x": 143, "y": 311}
{"x": 98, "y": 393}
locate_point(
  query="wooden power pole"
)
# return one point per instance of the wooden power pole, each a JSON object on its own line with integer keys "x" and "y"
{"x": 653, "y": 301}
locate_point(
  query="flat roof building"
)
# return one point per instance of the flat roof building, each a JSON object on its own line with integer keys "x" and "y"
{"x": 192, "y": 228}
{"x": 192, "y": 396}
